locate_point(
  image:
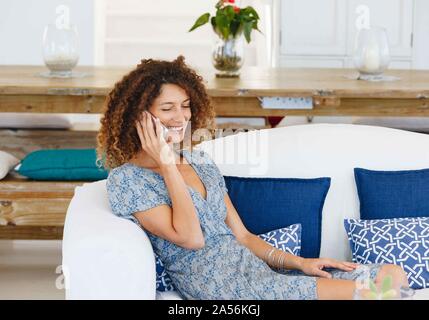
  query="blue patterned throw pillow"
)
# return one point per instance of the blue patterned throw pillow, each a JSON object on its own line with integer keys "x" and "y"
{"x": 400, "y": 241}
{"x": 163, "y": 280}
{"x": 287, "y": 239}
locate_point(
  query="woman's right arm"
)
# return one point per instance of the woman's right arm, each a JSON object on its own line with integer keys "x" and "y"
{"x": 180, "y": 223}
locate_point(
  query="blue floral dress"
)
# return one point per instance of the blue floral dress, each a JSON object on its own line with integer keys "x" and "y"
{"x": 223, "y": 269}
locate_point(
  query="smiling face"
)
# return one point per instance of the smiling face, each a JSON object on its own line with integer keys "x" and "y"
{"x": 173, "y": 108}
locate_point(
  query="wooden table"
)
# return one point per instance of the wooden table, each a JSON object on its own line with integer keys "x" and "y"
{"x": 36, "y": 209}
{"x": 333, "y": 93}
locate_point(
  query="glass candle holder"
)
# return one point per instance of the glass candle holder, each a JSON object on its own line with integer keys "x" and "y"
{"x": 371, "y": 54}
{"x": 60, "y": 49}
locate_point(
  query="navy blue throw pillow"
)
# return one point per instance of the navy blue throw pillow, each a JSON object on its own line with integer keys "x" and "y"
{"x": 392, "y": 194}
{"x": 266, "y": 204}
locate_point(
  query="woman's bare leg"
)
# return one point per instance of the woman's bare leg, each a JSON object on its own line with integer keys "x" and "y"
{"x": 337, "y": 289}
{"x": 398, "y": 274}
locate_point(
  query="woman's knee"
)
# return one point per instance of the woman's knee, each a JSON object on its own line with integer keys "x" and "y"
{"x": 393, "y": 269}
{"x": 396, "y": 272}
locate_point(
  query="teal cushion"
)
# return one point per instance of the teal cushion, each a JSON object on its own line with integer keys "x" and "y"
{"x": 62, "y": 164}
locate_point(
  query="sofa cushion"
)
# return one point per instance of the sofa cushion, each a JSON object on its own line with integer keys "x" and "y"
{"x": 61, "y": 164}
{"x": 270, "y": 203}
{"x": 402, "y": 241}
{"x": 7, "y": 163}
{"x": 392, "y": 194}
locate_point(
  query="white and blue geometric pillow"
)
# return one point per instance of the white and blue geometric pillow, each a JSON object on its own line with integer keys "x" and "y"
{"x": 400, "y": 241}
{"x": 163, "y": 280}
{"x": 287, "y": 239}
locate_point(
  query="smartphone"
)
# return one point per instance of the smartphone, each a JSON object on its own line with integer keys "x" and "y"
{"x": 163, "y": 128}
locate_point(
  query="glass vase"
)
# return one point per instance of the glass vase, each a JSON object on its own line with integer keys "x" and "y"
{"x": 371, "y": 55}
{"x": 228, "y": 56}
{"x": 60, "y": 49}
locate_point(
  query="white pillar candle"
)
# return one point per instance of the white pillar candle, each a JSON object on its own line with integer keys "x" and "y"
{"x": 61, "y": 61}
{"x": 61, "y": 57}
{"x": 371, "y": 58}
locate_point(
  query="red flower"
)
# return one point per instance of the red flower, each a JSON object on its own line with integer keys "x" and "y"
{"x": 236, "y": 9}
{"x": 230, "y": 1}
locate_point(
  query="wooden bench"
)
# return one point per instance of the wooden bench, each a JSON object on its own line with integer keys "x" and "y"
{"x": 36, "y": 209}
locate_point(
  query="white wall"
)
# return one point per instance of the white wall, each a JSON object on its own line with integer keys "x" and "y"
{"x": 130, "y": 30}
{"x": 421, "y": 35}
{"x": 22, "y": 23}
{"x": 324, "y": 36}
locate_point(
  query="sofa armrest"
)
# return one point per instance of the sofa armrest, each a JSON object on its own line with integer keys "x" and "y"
{"x": 105, "y": 257}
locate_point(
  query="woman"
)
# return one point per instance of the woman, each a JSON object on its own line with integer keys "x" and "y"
{"x": 179, "y": 197}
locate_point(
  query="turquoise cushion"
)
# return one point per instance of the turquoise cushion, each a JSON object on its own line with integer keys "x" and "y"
{"x": 62, "y": 164}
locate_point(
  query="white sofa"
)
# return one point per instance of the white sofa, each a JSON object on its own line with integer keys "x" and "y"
{"x": 106, "y": 257}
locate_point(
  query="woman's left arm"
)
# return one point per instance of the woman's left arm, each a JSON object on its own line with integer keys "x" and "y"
{"x": 277, "y": 258}
{"x": 257, "y": 245}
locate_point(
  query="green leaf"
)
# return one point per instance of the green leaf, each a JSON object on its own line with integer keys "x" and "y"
{"x": 247, "y": 28}
{"x": 253, "y": 12}
{"x": 222, "y": 24}
{"x": 202, "y": 20}
{"x": 255, "y": 26}
{"x": 229, "y": 12}
{"x": 244, "y": 11}
{"x": 213, "y": 22}
{"x": 387, "y": 283}
{"x": 234, "y": 26}
{"x": 249, "y": 14}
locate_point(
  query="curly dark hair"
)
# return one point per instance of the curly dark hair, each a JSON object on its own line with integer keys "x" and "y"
{"x": 117, "y": 140}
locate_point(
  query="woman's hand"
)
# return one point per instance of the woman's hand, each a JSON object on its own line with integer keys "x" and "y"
{"x": 155, "y": 145}
{"x": 313, "y": 267}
